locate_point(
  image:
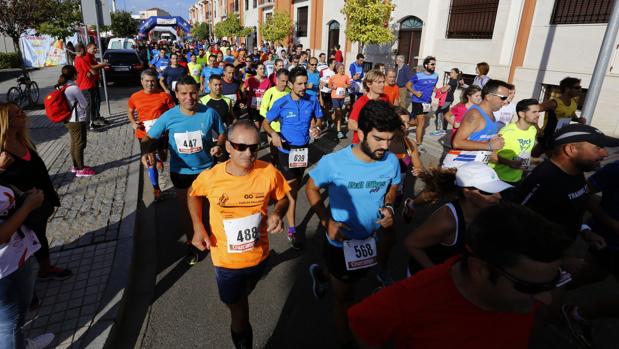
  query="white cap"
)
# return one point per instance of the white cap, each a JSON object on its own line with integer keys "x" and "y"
{"x": 480, "y": 176}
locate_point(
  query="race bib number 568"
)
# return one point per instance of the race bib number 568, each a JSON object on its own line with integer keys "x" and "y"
{"x": 360, "y": 254}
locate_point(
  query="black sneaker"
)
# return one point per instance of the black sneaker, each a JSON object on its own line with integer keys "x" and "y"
{"x": 580, "y": 330}
{"x": 95, "y": 127}
{"x": 294, "y": 241}
{"x": 103, "y": 120}
{"x": 56, "y": 273}
{"x": 319, "y": 281}
{"x": 193, "y": 255}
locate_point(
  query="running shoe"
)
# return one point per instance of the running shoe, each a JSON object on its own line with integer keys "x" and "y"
{"x": 294, "y": 241}
{"x": 436, "y": 133}
{"x": 56, "y": 273}
{"x": 103, "y": 120}
{"x": 85, "y": 172}
{"x": 580, "y": 330}
{"x": 95, "y": 127}
{"x": 40, "y": 342}
{"x": 384, "y": 278}
{"x": 319, "y": 281}
{"x": 193, "y": 255}
{"x": 74, "y": 170}
{"x": 341, "y": 135}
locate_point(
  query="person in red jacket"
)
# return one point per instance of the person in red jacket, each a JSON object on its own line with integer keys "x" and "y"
{"x": 88, "y": 81}
{"x": 486, "y": 298}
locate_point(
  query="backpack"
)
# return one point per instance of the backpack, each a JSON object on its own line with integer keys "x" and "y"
{"x": 57, "y": 106}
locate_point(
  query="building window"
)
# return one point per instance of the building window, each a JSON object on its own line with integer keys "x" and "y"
{"x": 236, "y": 5}
{"x": 581, "y": 11}
{"x": 472, "y": 19}
{"x": 255, "y": 3}
{"x": 246, "y": 5}
{"x": 302, "y": 21}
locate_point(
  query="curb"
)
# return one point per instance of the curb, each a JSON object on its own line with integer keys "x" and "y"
{"x": 112, "y": 304}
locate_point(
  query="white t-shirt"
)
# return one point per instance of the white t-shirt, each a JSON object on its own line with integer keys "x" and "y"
{"x": 505, "y": 114}
{"x": 75, "y": 97}
{"x": 325, "y": 75}
{"x": 23, "y": 243}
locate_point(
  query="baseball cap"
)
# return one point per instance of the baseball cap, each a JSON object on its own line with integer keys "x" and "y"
{"x": 480, "y": 176}
{"x": 573, "y": 133}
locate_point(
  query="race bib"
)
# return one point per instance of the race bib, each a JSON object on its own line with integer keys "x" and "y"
{"x": 148, "y": 124}
{"x": 340, "y": 92}
{"x": 242, "y": 233}
{"x": 195, "y": 72}
{"x": 173, "y": 85}
{"x": 360, "y": 254}
{"x": 457, "y": 158}
{"x": 188, "y": 142}
{"x": 162, "y": 68}
{"x": 255, "y": 102}
{"x": 526, "y": 159}
{"x": 427, "y": 107}
{"x": 297, "y": 158}
{"x": 232, "y": 97}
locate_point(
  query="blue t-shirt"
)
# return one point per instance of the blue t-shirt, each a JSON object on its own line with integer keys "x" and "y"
{"x": 189, "y": 157}
{"x": 229, "y": 59}
{"x": 356, "y": 68}
{"x": 356, "y": 189}
{"x": 425, "y": 83}
{"x": 295, "y": 118}
{"x": 606, "y": 180}
{"x": 207, "y": 72}
{"x": 160, "y": 63}
{"x": 172, "y": 74}
{"x": 314, "y": 79}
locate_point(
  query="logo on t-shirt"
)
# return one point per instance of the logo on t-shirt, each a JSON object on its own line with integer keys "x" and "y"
{"x": 524, "y": 144}
{"x": 374, "y": 186}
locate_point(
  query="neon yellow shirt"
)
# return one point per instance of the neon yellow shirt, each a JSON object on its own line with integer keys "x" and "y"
{"x": 269, "y": 97}
{"x": 194, "y": 70}
{"x": 203, "y": 60}
{"x": 518, "y": 144}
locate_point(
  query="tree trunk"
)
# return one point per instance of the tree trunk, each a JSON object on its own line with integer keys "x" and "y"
{"x": 20, "y": 58}
{"x": 361, "y": 46}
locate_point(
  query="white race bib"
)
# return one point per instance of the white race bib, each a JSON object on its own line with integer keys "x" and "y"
{"x": 173, "y": 85}
{"x": 297, "y": 158}
{"x": 457, "y": 158}
{"x": 526, "y": 159}
{"x": 427, "y": 107}
{"x": 148, "y": 124}
{"x": 188, "y": 142}
{"x": 340, "y": 92}
{"x": 242, "y": 233}
{"x": 255, "y": 102}
{"x": 360, "y": 254}
{"x": 232, "y": 97}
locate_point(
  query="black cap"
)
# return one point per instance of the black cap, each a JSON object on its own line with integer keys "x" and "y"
{"x": 574, "y": 133}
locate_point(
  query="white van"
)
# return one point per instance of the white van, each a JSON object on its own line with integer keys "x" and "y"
{"x": 121, "y": 43}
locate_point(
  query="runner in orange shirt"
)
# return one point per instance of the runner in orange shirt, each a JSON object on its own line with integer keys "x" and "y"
{"x": 148, "y": 104}
{"x": 392, "y": 91}
{"x": 238, "y": 192}
{"x": 338, "y": 84}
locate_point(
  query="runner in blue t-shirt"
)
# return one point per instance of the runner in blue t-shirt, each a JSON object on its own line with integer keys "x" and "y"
{"x": 207, "y": 71}
{"x": 160, "y": 62}
{"x": 356, "y": 75}
{"x": 190, "y": 127}
{"x": 362, "y": 181}
{"x": 300, "y": 116}
{"x": 313, "y": 77}
{"x": 421, "y": 86}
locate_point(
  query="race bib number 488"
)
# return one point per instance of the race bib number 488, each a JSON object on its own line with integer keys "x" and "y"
{"x": 242, "y": 233}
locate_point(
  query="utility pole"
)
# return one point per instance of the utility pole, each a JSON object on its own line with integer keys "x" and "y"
{"x": 601, "y": 65}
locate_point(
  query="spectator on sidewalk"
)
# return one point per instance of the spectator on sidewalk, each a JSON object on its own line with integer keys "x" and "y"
{"x": 17, "y": 270}
{"x": 403, "y": 76}
{"x": 88, "y": 81}
{"x": 77, "y": 124}
{"x": 22, "y": 167}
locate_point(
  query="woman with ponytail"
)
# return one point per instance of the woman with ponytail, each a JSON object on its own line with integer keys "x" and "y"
{"x": 77, "y": 124}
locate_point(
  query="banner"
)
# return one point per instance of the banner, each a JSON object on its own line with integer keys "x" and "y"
{"x": 42, "y": 51}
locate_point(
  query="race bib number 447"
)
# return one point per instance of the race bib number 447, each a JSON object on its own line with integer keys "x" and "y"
{"x": 360, "y": 254}
{"x": 188, "y": 142}
{"x": 242, "y": 233}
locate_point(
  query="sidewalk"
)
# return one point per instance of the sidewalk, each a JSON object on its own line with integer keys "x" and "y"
{"x": 91, "y": 233}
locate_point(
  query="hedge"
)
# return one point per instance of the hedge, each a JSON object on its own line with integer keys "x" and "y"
{"x": 8, "y": 60}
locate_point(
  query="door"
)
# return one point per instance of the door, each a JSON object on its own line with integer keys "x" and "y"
{"x": 334, "y": 35}
{"x": 409, "y": 39}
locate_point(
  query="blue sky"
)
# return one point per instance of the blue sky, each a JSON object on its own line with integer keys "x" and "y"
{"x": 175, "y": 7}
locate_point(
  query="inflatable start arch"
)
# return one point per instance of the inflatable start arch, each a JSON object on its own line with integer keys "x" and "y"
{"x": 183, "y": 29}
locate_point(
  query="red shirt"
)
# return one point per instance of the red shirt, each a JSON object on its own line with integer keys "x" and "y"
{"x": 338, "y": 56}
{"x": 84, "y": 81}
{"x": 427, "y": 311}
{"x": 356, "y": 108}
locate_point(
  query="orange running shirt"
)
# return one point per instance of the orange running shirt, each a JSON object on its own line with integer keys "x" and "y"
{"x": 338, "y": 83}
{"x": 392, "y": 93}
{"x": 149, "y": 107}
{"x": 238, "y": 209}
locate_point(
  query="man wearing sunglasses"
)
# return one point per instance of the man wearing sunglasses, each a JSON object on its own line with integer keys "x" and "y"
{"x": 421, "y": 86}
{"x": 238, "y": 193}
{"x": 300, "y": 117}
{"x": 486, "y": 298}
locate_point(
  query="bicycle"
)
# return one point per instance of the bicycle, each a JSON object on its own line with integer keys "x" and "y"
{"x": 25, "y": 91}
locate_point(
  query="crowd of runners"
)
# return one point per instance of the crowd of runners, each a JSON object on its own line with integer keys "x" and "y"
{"x": 511, "y": 195}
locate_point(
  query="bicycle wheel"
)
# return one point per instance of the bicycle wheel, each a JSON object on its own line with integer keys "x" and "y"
{"x": 14, "y": 95}
{"x": 33, "y": 92}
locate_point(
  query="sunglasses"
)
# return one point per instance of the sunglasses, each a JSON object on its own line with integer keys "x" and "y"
{"x": 503, "y": 98}
{"x": 532, "y": 288}
{"x": 312, "y": 65}
{"x": 253, "y": 148}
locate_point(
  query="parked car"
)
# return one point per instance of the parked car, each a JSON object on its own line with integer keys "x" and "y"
{"x": 125, "y": 65}
{"x": 121, "y": 43}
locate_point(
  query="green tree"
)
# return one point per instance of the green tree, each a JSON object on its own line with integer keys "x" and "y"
{"x": 231, "y": 28}
{"x": 367, "y": 21}
{"x": 277, "y": 27}
{"x": 123, "y": 26}
{"x": 200, "y": 31}
{"x": 65, "y": 20}
{"x": 17, "y": 16}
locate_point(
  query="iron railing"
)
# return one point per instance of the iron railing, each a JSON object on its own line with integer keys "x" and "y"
{"x": 472, "y": 19}
{"x": 581, "y": 11}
